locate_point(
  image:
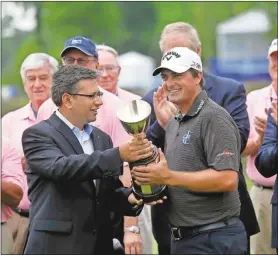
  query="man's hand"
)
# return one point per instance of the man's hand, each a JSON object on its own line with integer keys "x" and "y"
{"x": 136, "y": 149}
{"x": 23, "y": 162}
{"x": 164, "y": 110}
{"x": 132, "y": 243}
{"x": 134, "y": 201}
{"x": 274, "y": 106}
{"x": 260, "y": 124}
{"x": 153, "y": 173}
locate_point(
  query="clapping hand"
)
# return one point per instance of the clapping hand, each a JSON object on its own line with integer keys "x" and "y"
{"x": 260, "y": 124}
{"x": 274, "y": 106}
{"x": 164, "y": 109}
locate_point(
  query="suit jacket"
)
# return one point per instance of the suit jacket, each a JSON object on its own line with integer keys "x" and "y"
{"x": 267, "y": 164}
{"x": 69, "y": 214}
{"x": 231, "y": 95}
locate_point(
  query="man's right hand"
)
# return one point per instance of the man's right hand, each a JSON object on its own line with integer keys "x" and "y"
{"x": 138, "y": 148}
{"x": 274, "y": 113}
{"x": 164, "y": 109}
{"x": 260, "y": 124}
{"x": 23, "y": 162}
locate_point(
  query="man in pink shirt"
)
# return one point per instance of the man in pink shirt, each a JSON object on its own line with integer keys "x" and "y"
{"x": 82, "y": 51}
{"x": 137, "y": 232}
{"x": 258, "y": 103}
{"x": 110, "y": 71}
{"x": 36, "y": 73}
{"x": 12, "y": 184}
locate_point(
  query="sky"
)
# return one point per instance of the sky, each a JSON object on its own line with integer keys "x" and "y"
{"x": 22, "y": 20}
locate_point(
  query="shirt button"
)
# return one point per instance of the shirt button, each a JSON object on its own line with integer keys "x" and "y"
{"x": 94, "y": 231}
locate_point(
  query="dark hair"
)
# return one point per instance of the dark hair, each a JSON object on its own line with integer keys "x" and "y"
{"x": 66, "y": 79}
{"x": 194, "y": 73}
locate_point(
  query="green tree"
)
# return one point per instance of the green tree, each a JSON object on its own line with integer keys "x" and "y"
{"x": 123, "y": 25}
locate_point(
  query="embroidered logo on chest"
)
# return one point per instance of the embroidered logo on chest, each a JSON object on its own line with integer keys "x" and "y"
{"x": 186, "y": 137}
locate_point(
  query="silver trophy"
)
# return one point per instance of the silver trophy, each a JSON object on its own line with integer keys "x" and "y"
{"x": 135, "y": 118}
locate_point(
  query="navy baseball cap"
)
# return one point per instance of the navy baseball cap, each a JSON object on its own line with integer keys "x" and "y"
{"x": 81, "y": 43}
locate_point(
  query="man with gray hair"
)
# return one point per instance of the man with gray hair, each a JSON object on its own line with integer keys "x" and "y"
{"x": 110, "y": 70}
{"x": 73, "y": 171}
{"x": 229, "y": 94}
{"x": 137, "y": 232}
{"x": 82, "y": 51}
{"x": 36, "y": 73}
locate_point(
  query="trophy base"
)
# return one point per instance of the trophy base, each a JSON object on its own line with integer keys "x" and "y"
{"x": 147, "y": 198}
{"x": 148, "y": 193}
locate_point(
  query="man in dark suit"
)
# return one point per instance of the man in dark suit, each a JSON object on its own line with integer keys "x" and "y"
{"x": 229, "y": 94}
{"x": 72, "y": 172}
{"x": 267, "y": 164}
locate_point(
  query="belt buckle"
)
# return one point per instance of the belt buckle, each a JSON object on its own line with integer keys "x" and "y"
{"x": 176, "y": 233}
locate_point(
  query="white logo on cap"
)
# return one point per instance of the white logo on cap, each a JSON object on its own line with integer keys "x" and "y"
{"x": 75, "y": 41}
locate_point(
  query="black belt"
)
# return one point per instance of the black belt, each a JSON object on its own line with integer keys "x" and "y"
{"x": 179, "y": 233}
{"x": 21, "y": 212}
{"x": 261, "y": 186}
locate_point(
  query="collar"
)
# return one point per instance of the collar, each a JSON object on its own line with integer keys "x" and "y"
{"x": 87, "y": 128}
{"x": 27, "y": 112}
{"x": 195, "y": 107}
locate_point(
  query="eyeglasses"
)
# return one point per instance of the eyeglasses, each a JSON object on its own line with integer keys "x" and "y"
{"x": 93, "y": 96}
{"x": 80, "y": 61}
{"x": 107, "y": 68}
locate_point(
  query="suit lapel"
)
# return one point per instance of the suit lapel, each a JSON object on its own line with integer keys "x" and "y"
{"x": 65, "y": 131}
{"x": 97, "y": 146}
{"x": 69, "y": 136}
{"x": 208, "y": 84}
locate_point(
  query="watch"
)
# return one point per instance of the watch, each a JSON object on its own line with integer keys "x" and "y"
{"x": 132, "y": 229}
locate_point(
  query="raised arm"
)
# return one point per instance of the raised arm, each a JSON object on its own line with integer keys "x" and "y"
{"x": 45, "y": 157}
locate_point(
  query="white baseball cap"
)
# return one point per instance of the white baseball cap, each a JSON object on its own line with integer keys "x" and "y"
{"x": 273, "y": 47}
{"x": 179, "y": 60}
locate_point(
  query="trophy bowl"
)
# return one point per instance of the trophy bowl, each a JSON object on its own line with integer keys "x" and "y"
{"x": 135, "y": 118}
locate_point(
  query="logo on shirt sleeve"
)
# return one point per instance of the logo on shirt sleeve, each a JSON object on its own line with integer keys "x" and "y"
{"x": 226, "y": 153}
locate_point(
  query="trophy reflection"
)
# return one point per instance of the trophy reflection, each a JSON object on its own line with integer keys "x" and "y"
{"x": 135, "y": 118}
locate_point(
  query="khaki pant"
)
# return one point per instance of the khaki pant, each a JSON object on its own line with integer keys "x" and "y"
{"x": 145, "y": 225}
{"x": 6, "y": 239}
{"x": 19, "y": 228}
{"x": 261, "y": 242}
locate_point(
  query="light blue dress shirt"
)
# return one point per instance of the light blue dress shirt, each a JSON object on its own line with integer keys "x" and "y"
{"x": 83, "y": 136}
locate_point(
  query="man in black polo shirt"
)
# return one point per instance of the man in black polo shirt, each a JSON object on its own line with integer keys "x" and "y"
{"x": 202, "y": 149}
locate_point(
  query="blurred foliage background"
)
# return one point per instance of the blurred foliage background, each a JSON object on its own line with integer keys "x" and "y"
{"x": 123, "y": 25}
{"x": 126, "y": 26}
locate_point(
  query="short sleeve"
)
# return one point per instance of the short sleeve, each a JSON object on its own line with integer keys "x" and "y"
{"x": 221, "y": 143}
{"x": 11, "y": 164}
